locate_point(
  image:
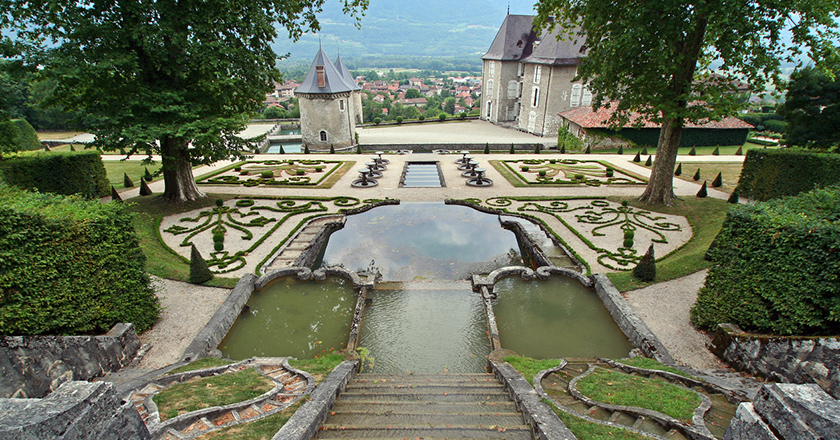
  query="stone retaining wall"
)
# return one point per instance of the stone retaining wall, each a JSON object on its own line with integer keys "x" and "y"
{"x": 32, "y": 366}
{"x": 784, "y": 359}
{"x": 76, "y": 410}
{"x": 427, "y": 148}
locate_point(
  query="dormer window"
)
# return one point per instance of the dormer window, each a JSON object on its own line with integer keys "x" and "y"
{"x": 322, "y": 80}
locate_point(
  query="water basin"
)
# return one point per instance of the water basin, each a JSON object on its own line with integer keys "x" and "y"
{"x": 288, "y": 147}
{"x": 293, "y": 318}
{"x": 412, "y": 241}
{"x": 425, "y": 328}
{"x": 554, "y": 318}
{"x": 421, "y": 175}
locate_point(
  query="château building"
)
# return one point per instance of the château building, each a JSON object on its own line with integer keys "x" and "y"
{"x": 527, "y": 78}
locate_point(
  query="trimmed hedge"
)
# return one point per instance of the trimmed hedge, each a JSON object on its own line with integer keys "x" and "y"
{"x": 69, "y": 266}
{"x": 691, "y": 137}
{"x": 774, "y": 173}
{"x": 776, "y": 267}
{"x": 28, "y": 138}
{"x": 58, "y": 172}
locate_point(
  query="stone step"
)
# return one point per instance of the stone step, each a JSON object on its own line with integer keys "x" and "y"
{"x": 424, "y": 378}
{"x": 483, "y": 387}
{"x": 429, "y": 396}
{"x": 425, "y": 407}
{"x": 424, "y": 431}
{"x": 365, "y": 418}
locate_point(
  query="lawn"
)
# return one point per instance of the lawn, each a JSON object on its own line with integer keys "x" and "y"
{"x": 320, "y": 367}
{"x": 706, "y": 216}
{"x": 200, "y": 364}
{"x": 208, "y": 392}
{"x": 726, "y": 150}
{"x": 135, "y": 170}
{"x": 730, "y": 173}
{"x": 529, "y": 368}
{"x": 160, "y": 260}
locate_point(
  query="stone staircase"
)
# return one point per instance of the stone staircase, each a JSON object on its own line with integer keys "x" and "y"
{"x": 434, "y": 406}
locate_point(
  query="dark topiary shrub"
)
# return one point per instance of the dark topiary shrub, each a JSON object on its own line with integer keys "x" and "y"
{"x": 678, "y": 172}
{"x": 243, "y": 172}
{"x": 716, "y": 152}
{"x": 628, "y": 243}
{"x": 220, "y": 202}
{"x": 718, "y": 182}
{"x": 306, "y": 149}
{"x": 629, "y": 233}
{"x": 486, "y": 148}
{"x": 377, "y": 121}
{"x": 27, "y": 139}
{"x": 399, "y": 119}
{"x": 740, "y": 151}
{"x": 58, "y": 172}
{"x": 144, "y": 189}
{"x": 621, "y": 149}
{"x": 733, "y": 198}
{"x": 266, "y": 174}
{"x": 358, "y": 149}
{"x": 772, "y": 173}
{"x": 127, "y": 182}
{"x": 588, "y": 149}
{"x": 512, "y": 150}
{"x": 300, "y": 172}
{"x": 649, "y": 161}
{"x": 462, "y": 115}
{"x": 703, "y": 192}
{"x": 282, "y": 151}
{"x": 218, "y": 246}
{"x": 237, "y": 169}
{"x": 525, "y": 168}
{"x": 638, "y": 158}
{"x": 422, "y": 117}
{"x": 693, "y": 152}
{"x": 332, "y": 149}
{"x": 542, "y": 173}
{"x": 442, "y": 117}
{"x": 115, "y": 196}
{"x": 697, "y": 174}
{"x": 70, "y": 266}
{"x": 774, "y": 267}
{"x": 646, "y": 269}
{"x": 537, "y": 149}
{"x": 199, "y": 272}
{"x": 563, "y": 149}
{"x": 579, "y": 176}
{"x": 644, "y": 151}
{"x": 610, "y": 172}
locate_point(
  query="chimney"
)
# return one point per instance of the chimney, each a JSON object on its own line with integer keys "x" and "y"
{"x": 322, "y": 82}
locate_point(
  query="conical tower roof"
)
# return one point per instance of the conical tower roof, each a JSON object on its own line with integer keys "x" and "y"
{"x": 333, "y": 80}
{"x": 345, "y": 73}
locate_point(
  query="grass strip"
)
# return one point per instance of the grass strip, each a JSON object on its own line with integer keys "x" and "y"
{"x": 200, "y": 364}
{"x": 208, "y": 392}
{"x": 262, "y": 429}
{"x": 586, "y": 430}
{"x": 628, "y": 390}
{"x": 706, "y": 217}
{"x": 319, "y": 367}
{"x": 652, "y": 364}
{"x": 730, "y": 173}
{"x": 529, "y": 368}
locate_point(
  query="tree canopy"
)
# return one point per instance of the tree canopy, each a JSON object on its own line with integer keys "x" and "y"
{"x": 812, "y": 109}
{"x": 655, "y": 59}
{"x": 172, "y": 77}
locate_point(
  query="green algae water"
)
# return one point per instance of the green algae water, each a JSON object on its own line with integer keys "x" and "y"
{"x": 293, "y": 318}
{"x": 555, "y": 318}
{"x": 421, "y": 241}
{"x": 426, "y": 328}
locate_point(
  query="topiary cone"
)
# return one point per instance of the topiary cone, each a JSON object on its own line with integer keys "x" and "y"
{"x": 621, "y": 149}
{"x": 733, "y": 198}
{"x": 537, "y": 149}
{"x": 199, "y": 272}
{"x": 588, "y": 150}
{"x": 147, "y": 175}
{"x": 306, "y": 149}
{"x": 144, "y": 189}
{"x": 638, "y": 158}
{"x": 718, "y": 182}
{"x": 740, "y": 152}
{"x": 649, "y": 161}
{"x": 697, "y": 174}
{"x": 693, "y": 152}
{"x": 702, "y": 193}
{"x": 678, "y": 172}
{"x": 115, "y": 196}
{"x": 512, "y": 150}
{"x": 716, "y": 152}
{"x": 646, "y": 269}
{"x": 127, "y": 181}
{"x": 644, "y": 150}
{"x": 563, "y": 149}
{"x": 486, "y": 148}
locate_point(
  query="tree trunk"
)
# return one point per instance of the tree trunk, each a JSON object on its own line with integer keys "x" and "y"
{"x": 660, "y": 187}
{"x": 177, "y": 171}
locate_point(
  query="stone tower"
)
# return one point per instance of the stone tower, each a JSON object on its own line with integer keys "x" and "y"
{"x": 356, "y": 94}
{"x": 327, "y": 108}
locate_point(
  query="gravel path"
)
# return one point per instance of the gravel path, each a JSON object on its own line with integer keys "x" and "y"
{"x": 186, "y": 310}
{"x": 665, "y": 309}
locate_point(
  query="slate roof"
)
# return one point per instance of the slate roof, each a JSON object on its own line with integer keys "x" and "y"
{"x": 345, "y": 73}
{"x": 586, "y": 118}
{"x": 515, "y": 39}
{"x": 567, "y": 51}
{"x": 333, "y": 80}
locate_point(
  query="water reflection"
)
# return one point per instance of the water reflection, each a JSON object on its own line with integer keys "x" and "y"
{"x": 423, "y": 241}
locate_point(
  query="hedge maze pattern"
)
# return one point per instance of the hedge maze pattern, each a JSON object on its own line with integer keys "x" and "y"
{"x": 601, "y": 225}
{"x": 569, "y": 172}
{"x": 291, "y": 172}
{"x": 250, "y": 221}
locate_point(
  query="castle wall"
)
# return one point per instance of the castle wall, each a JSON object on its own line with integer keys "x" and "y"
{"x": 555, "y": 91}
{"x": 324, "y": 113}
{"x": 500, "y": 86}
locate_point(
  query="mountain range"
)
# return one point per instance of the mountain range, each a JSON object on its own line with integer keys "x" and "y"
{"x": 424, "y": 28}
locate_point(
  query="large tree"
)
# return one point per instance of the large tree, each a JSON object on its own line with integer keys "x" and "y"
{"x": 812, "y": 109}
{"x": 654, "y": 58}
{"x": 177, "y": 78}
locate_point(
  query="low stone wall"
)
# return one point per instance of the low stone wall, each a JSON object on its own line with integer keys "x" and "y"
{"x": 629, "y": 322}
{"x": 32, "y": 366}
{"x": 427, "y": 148}
{"x": 784, "y": 359}
{"x": 76, "y": 410}
{"x": 787, "y": 412}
